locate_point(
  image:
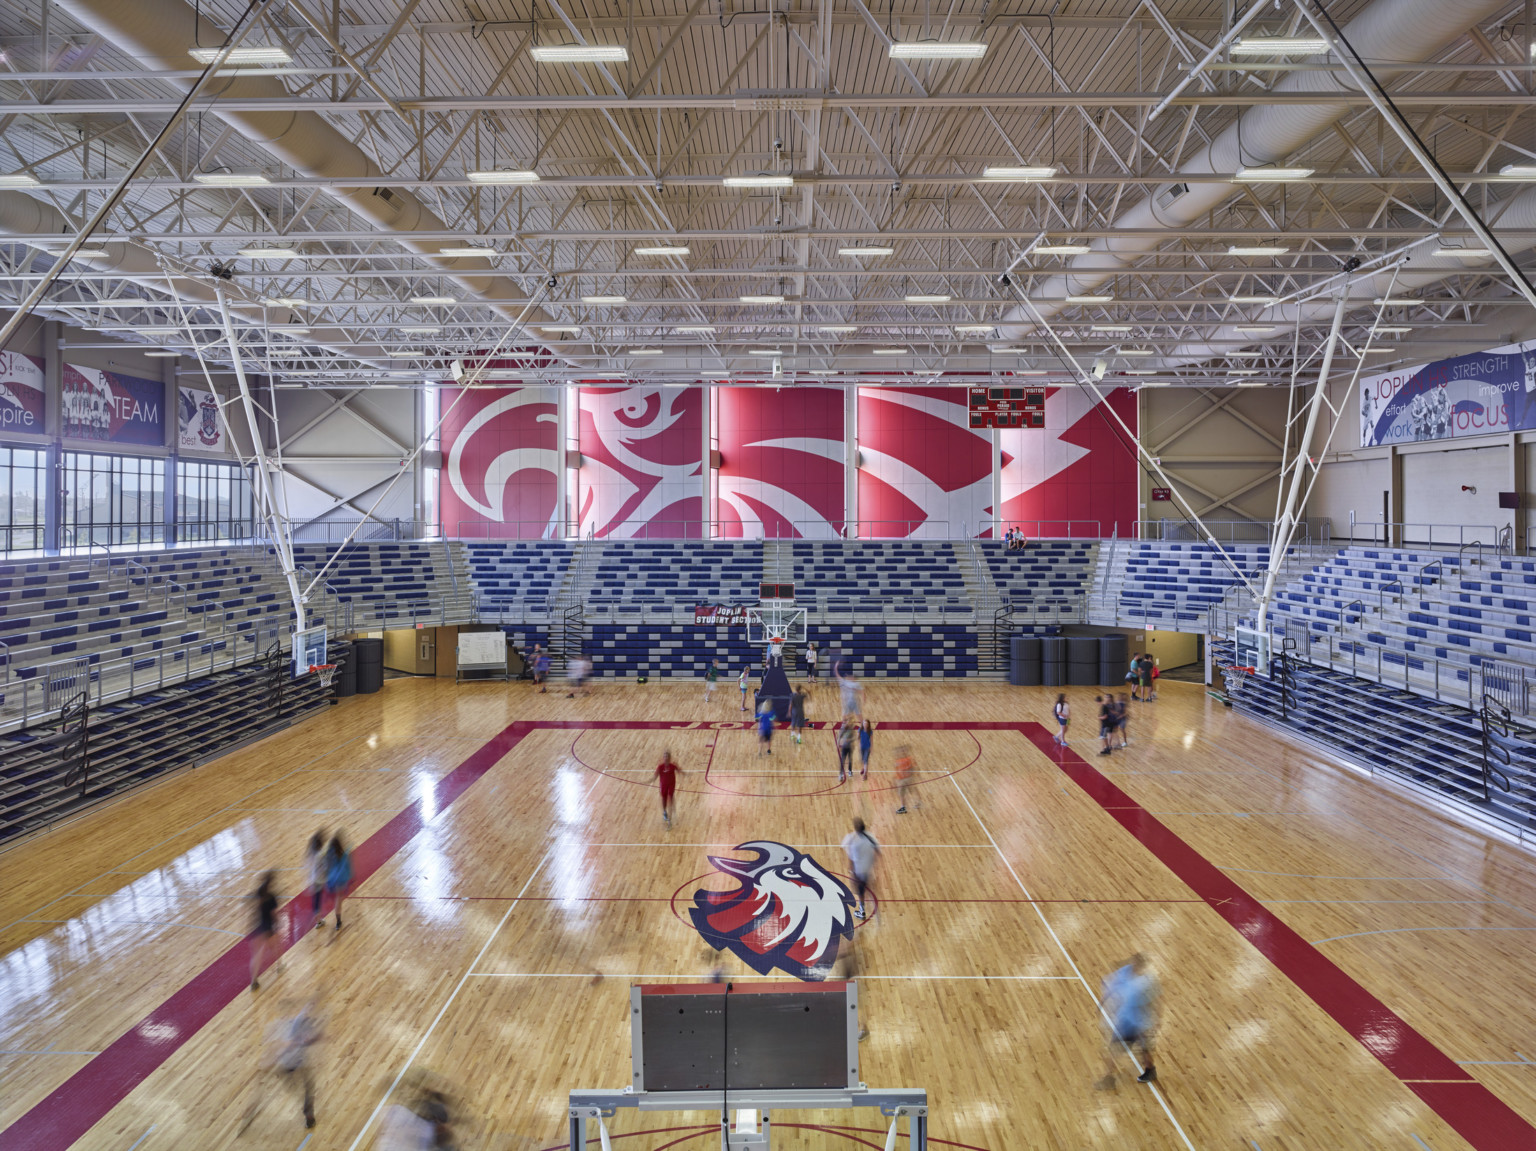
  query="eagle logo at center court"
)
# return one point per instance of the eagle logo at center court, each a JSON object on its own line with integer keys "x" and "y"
{"x": 788, "y": 913}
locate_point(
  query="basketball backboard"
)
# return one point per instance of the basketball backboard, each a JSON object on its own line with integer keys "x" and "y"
{"x": 308, "y": 650}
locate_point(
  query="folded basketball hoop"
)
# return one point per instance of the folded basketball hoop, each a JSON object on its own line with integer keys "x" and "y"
{"x": 326, "y": 672}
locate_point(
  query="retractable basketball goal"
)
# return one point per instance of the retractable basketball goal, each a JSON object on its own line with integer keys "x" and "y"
{"x": 746, "y": 1051}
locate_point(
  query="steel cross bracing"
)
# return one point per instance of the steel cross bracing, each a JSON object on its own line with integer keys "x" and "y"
{"x": 883, "y": 152}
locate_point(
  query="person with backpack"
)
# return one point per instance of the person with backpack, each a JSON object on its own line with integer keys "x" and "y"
{"x": 338, "y": 874}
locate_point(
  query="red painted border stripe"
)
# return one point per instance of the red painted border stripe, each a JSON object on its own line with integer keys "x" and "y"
{"x": 1478, "y": 1115}
{"x": 89, "y": 1094}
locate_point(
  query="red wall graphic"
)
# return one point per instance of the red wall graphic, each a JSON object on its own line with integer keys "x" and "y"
{"x": 1077, "y": 475}
{"x": 923, "y": 472}
{"x": 642, "y": 452}
{"x": 781, "y": 462}
{"x": 500, "y": 451}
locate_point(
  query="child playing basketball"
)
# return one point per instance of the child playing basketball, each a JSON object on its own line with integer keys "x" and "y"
{"x": 904, "y": 780}
{"x": 741, "y": 682}
{"x": 666, "y": 776}
{"x": 711, "y": 677}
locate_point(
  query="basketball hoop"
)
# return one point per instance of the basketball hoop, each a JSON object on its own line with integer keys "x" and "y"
{"x": 326, "y": 672}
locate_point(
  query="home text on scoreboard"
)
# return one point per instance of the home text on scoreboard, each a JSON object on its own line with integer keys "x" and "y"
{"x": 1007, "y": 407}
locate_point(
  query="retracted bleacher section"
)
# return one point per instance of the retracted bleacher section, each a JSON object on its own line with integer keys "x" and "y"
{"x": 676, "y": 574}
{"x": 866, "y": 577}
{"x": 393, "y": 583}
{"x": 1172, "y": 586}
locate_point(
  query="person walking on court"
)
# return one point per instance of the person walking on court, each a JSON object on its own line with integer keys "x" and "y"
{"x": 1129, "y": 1002}
{"x": 843, "y": 737}
{"x": 1148, "y": 677}
{"x": 666, "y": 776}
{"x": 264, "y": 936}
{"x": 744, "y": 685}
{"x": 288, "y": 1058}
{"x": 866, "y": 744}
{"x": 1133, "y": 677}
{"x": 904, "y": 780}
{"x": 1063, "y": 713}
{"x": 765, "y": 722}
{"x": 797, "y": 714}
{"x": 1123, "y": 720}
{"x": 314, "y": 868}
{"x": 711, "y": 677}
{"x": 862, "y": 851}
{"x": 338, "y": 874}
{"x": 541, "y": 667}
{"x": 1106, "y": 723}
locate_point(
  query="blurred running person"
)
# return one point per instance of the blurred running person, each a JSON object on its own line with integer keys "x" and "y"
{"x": 338, "y": 874}
{"x": 1129, "y": 1002}
{"x": 744, "y": 685}
{"x": 866, "y": 744}
{"x": 765, "y": 722}
{"x": 904, "y": 780}
{"x": 541, "y": 667}
{"x": 1123, "y": 719}
{"x": 264, "y": 936}
{"x": 288, "y": 1057}
{"x": 844, "y": 737}
{"x": 852, "y": 692}
{"x": 666, "y": 776}
{"x": 797, "y": 714}
{"x": 862, "y": 851}
{"x": 314, "y": 868}
{"x": 711, "y": 677}
{"x": 1106, "y": 723}
{"x": 1063, "y": 713}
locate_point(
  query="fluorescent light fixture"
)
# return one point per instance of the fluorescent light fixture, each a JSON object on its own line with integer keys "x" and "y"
{"x": 663, "y": 250}
{"x": 974, "y": 329}
{"x": 1139, "y": 372}
{"x": 1257, "y": 250}
{"x": 891, "y": 351}
{"x": 155, "y": 333}
{"x": 605, "y": 299}
{"x": 1242, "y": 371}
{"x": 1032, "y": 372}
{"x": 1253, "y": 383}
{"x": 1016, "y": 174}
{"x": 269, "y": 253}
{"x": 1110, "y": 328}
{"x": 415, "y": 330}
{"x": 764, "y": 352}
{"x": 1392, "y": 330}
{"x": 397, "y": 354}
{"x": 1519, "y": 171}
{"x": 1279, "y": 46}
{"x": 255, "y": 54}
{"x": 694, "y": 330}
{"x": 938, "y": 50}
{"x": 762, "y": 299}
{"x": 19, "y": 180}
{"x": 161, "y": 355}
{"x": 1262, "y": 173}
{"x": 1090, "y": 299}
{"x": 467, "y": 251}
{"x": 563, "y": 329}
{"x": 1061, "y": 249}
{"x": 1389, "y": 301}
{"x": 643, "y": 352}
{"x": 1383, "y": 351}
{"x": 1135, "y": 352}
{"x": 1255, "y": 329}
{"x": 1267, "y": 301}
{"x": 934, "y": 299}
{"x": 286, "y": 302}
{"x": 872, "y": 250}
{"x": 822, "y": 372}
{"x": 81, "y": 253}
{"x": 434, "y": 301}
{"x": 503, "y": 176}
{"x": 1005, "y": 349}
{"x": 1154, "y": 384}
{"x": 759, "y": 181}
{"x": 232, "y": 179}
{"x": 1467, "y": 253}
{"x": 580, "y": 53}
{"x": 838, "y": 329}
{"x": 284, "y": 352}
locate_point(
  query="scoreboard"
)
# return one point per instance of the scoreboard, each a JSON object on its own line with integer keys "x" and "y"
{"x": 1007, "y": 407}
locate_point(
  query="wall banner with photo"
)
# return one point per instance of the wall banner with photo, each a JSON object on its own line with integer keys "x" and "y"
{"x": 22, "y": 405}
{"x": 113, "y": 408}
{"x": 1472, "y": 395}
{"x": 199, "y": 422}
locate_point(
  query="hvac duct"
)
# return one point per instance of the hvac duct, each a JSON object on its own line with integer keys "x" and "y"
{"x": 21, "y": 215}
{"x": 158, "y": 34}
{"x": 1396, "y": 30}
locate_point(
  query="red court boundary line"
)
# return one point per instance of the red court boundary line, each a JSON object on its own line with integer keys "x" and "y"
{"x": 1472, "y": 1109}
{"x": 87, "y": 1096}
{"x": 1477, "y": 1114}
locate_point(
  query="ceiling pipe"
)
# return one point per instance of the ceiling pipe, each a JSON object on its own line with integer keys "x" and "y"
{"x": 158, "y": 35}
{"x": 1398, "y": 30}
{"x": 21, "y": 214}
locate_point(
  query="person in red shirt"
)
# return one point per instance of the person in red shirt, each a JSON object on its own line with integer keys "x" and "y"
{"x": 667, "y": 773}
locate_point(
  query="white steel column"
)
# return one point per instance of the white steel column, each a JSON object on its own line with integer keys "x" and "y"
{"x": 562, "y": 474}
{"x": 851, "y": 462}
{"x": 997, "y": 484}
{"x": 706, "y": 472}
{"x": 277, "y": 523}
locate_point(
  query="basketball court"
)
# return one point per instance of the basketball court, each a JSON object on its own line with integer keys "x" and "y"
{"x": 1336, "y": 962}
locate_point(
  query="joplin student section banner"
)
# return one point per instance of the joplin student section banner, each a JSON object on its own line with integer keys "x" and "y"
{"x": 1492, "y": 391}
{"x": 113, "y": 408}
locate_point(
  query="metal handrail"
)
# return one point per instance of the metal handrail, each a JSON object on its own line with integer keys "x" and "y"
{"x": 1381, "y": 592}
{"x": 1344, "y": 612}
{"x": 1418, "y": 579}
{"x": 1462, "y": 551}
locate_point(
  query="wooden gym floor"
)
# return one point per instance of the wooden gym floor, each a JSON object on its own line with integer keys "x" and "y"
{"x": 1341, "y": 968}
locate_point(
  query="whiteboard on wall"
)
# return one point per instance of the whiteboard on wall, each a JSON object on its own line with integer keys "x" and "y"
{"x": 482, "y": 649}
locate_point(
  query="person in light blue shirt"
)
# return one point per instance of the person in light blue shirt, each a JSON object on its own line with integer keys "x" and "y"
{"x": 1129, "y": 1002}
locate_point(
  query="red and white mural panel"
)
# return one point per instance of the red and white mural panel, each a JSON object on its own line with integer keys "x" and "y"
{"x": 500, "y": 452}
{"x": 642, "y": 462}
{"x": 1077, "y": 475}
{"x": 781, "y": 462}
{"x": 923, "y": 472}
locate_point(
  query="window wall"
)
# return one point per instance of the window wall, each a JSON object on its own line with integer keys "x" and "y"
{"x": 23, "y": 498}
{"x": 213, "y": 501}
{"x": 113, "y": 499}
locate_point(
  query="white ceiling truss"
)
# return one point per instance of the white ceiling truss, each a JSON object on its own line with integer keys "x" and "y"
{"x": 883, "y": 152}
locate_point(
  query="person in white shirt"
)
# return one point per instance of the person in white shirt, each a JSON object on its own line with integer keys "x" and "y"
{"x": 862, "y": 852}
